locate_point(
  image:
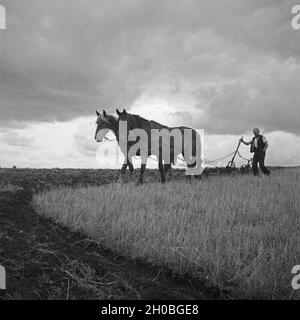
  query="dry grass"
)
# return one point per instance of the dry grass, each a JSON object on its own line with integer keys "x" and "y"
{"x": 7, "y": 187}
{"x": 239, "y": 233}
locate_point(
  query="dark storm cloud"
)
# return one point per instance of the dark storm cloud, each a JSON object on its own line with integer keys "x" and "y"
{"x": 62, "y": 59}
{"x": 268, "y": 98}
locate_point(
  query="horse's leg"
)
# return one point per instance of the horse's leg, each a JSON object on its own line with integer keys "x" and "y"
{"x": 122, "y": 172}
{"x": 131, "y": 168}
{"x": 141, "y": 178}
{"x": 162, "y": 172}
{"x": 187, "y": 160}
{"x": 189, "y": 177}
{"x": 195, "y": 176}
{"x": 167, "y": 168}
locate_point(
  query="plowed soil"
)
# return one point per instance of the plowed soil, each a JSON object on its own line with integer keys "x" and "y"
{"x": 44, "y": 260}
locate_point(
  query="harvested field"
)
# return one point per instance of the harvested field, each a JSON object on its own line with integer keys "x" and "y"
{"x": 244, "y": 241}
{"x": 45, "y": 260}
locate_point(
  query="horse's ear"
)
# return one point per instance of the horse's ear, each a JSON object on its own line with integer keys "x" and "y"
{"x": 104, "y": 113}
{"x": 97, "y": 113}
{"x": 118, "y": 112}
{"x": 124, "y": 111}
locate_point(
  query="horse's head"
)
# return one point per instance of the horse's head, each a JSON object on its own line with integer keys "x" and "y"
{"x": 128, "y": 117}
{"x": 123, "y": 115}
{"x": 104, "y": 123}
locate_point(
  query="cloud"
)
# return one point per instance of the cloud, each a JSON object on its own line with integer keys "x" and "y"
{"x": 260, "y": 98}
{"x": 225, "y": 66}
{"x": 45, "y": 145}
{"x": 63, "y": 59}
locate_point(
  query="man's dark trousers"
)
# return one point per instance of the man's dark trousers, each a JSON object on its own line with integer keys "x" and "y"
{"x": 259, "y": 157}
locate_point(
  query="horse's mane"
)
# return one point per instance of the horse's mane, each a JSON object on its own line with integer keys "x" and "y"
{"x": 112, "y": 118}
{"x": 137, "y": 121}
{"x": 135, "y": 118}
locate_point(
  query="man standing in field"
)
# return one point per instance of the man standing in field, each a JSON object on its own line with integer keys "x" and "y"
{"x": 259, "y": 145}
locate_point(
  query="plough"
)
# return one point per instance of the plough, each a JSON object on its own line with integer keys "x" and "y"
{"x": 231, "y": 166}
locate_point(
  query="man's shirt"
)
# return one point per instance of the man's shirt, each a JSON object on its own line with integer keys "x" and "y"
{"x": 256, "y": 139}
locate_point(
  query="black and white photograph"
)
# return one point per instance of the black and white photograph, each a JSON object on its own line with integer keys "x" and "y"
{"x": 149, "y": 151}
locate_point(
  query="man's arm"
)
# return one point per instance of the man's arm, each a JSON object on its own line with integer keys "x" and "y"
{"x": 266, "y": 144}
{"x": 244, "y": 142}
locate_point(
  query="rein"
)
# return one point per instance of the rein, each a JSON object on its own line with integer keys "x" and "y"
{"x": 110, "y": 140}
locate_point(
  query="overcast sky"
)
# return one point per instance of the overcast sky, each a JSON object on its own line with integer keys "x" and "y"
{"x": 224, "y": 66}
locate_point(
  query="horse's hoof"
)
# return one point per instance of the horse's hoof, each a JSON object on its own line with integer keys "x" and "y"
{"x": 139, "y": 183}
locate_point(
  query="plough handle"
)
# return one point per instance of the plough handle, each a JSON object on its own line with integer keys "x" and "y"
{"x": 237, "y": 149}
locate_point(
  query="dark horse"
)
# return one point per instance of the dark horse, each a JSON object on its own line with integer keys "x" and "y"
{"x": 106, "y": 123}
{"x": 170, "y": 142}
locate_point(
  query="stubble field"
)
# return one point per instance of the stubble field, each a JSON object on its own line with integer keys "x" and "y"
{"x": 239, "y": 234}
